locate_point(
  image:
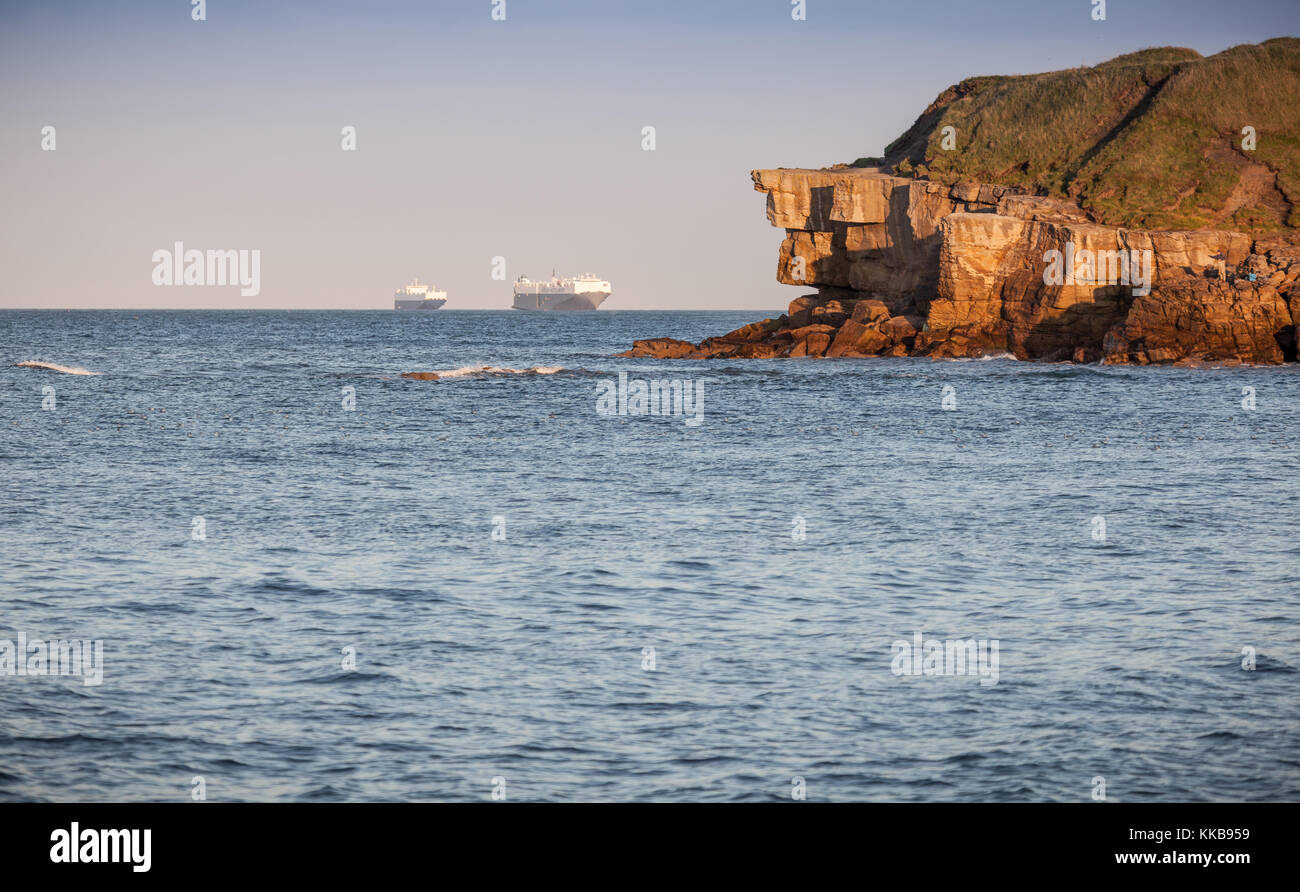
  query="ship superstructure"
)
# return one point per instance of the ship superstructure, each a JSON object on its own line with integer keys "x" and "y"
{"x": 585, "y": 292}
{"x": 418, "y": 297}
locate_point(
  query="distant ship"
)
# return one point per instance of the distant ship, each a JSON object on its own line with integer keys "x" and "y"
{"x": 418, "y": 297}
{"x": 584, "y": 292}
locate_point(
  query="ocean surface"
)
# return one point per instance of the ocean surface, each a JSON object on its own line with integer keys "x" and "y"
{"x": 481, "y": 584}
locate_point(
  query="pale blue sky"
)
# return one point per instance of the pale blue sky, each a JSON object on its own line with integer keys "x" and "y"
{"x": 478, "y": 138}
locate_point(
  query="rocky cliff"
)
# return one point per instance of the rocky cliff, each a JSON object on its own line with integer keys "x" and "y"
{"x": 912, "y": 265}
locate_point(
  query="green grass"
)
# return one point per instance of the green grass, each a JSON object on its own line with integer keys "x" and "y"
{"x": 1144, "y": 140}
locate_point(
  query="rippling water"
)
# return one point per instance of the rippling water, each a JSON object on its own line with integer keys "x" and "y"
{"x": 522, "y": 658}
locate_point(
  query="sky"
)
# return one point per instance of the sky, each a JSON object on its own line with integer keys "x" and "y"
{"x": 477, "y": 139}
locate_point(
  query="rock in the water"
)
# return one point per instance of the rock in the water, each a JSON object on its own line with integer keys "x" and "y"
{"x": 661, "y": 348}
{"x": 859, "y": 339}
{"x": 811, "y": 340}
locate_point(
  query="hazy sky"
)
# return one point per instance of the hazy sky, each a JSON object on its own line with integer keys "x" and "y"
{"x": 478, "y": 138}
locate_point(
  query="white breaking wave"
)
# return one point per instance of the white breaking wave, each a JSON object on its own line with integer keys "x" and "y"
{"x": 54, "y": 367}
{"x": 985, "y": 358}
{"x": 471, "y": 370}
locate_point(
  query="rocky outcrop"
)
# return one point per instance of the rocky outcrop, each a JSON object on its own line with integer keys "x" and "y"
{"x": 904, "y": 266}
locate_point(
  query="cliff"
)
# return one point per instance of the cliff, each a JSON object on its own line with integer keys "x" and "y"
{"x": 905, "y": 263}
{"x": 1149, "y": 140}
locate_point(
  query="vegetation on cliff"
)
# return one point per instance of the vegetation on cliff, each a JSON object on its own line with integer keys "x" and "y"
{"x": 1151, "y": 140}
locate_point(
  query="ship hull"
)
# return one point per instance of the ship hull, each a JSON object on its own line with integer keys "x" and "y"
{"x": 418, "y": 304}
{"x": 570, "y": 302}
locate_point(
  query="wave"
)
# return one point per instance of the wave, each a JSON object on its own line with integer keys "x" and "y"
{"x": 54, "y": 367}
{"x": 986, "y": 357}
{"x": 472, "y": 371}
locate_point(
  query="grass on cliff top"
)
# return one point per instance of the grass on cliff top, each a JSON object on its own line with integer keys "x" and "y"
{"x": 1151, "y": 139}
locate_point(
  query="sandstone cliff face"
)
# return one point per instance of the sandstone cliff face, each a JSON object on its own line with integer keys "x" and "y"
{"x": 905, "y": 266}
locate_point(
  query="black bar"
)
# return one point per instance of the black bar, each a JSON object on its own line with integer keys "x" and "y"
{"x": 332, "y": 842}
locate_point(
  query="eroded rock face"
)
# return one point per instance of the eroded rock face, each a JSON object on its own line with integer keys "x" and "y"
{"x": 1205, "y": 321}
{"x": 903, "y": 266}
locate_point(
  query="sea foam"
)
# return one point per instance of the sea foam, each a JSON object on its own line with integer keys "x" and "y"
{"x": 54, "y": 367}
{"x": 469, "y": 371}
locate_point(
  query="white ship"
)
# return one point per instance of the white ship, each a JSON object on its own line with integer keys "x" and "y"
{"x": 585, "y": 292}
{"x": 418, "y": 297}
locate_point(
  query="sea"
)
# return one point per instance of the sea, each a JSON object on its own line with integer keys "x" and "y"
{"x": 292, "y": 574}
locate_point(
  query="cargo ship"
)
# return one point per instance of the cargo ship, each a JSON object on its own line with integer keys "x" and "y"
{"x": 418, "y": 297}
{"x": 585, "y": 292}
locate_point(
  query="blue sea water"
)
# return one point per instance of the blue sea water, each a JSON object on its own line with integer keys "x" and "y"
{"x": 369, "y": 531}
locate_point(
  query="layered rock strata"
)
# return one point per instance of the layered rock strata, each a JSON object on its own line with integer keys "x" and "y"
{"x": 904, "y": 266}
